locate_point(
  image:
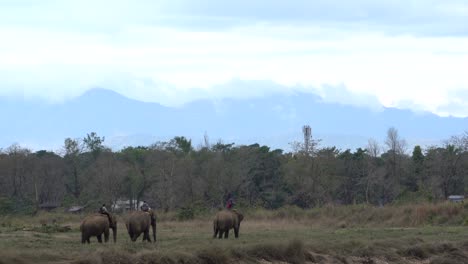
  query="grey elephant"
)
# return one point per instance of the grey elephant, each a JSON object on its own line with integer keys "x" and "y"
{"x": 97, "y": 225}
{"x": 139, "y": 222}
{"x": 226, "y": 220}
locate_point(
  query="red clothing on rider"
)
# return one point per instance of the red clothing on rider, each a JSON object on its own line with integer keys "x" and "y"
{"x": 229, "y": 204}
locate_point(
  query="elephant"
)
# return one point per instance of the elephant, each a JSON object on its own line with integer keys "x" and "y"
{"x": 225, "y": 220}
{"x": 96, "y": 225}
{"x": 139, "y": 222}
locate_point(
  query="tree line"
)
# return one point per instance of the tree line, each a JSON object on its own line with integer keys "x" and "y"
{"x": 174, "y": 174}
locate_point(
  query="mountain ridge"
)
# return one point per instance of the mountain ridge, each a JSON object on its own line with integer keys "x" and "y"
{"x": 274, "y": 120}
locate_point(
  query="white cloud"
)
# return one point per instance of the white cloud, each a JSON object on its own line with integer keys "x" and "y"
{"x": 172, "y": 65}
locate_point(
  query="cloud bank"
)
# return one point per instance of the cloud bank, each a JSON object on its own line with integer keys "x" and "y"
{"x": 400, "y": 53}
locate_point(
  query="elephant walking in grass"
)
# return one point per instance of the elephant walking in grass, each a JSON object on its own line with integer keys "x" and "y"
{"x": 226, "y": 220}
{"x": 96, "y": 225}
{"x": 139, "y": 222}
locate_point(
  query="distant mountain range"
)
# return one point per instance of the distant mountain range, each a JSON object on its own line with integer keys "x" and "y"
{"x": 274, "y": 120}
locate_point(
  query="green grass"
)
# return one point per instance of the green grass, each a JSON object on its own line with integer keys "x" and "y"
{"x": 284, "y": 235}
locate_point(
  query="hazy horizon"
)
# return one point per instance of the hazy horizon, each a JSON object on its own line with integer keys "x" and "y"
{"x": 274, "y": 120}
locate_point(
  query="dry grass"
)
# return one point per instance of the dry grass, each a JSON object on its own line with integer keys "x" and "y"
{"x": 357, "y": 234}
{"x": 413, "y": 215}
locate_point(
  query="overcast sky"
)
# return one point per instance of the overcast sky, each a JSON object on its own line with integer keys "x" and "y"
{"x": 403, "y": 53}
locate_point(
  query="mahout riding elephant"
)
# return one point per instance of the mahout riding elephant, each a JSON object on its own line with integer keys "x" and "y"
{"x": 225, "y": 220}
{"x": 96, "y": 225}
{"x": 139, "y": 222}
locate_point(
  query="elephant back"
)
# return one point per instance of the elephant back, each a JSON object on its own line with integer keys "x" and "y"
{"x": 94, "y": 221}
{"x": 138, "y": 219}
{"x": 226, "y": 219}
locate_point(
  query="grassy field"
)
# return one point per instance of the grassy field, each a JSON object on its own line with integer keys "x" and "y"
{"x": 327, "y": 235}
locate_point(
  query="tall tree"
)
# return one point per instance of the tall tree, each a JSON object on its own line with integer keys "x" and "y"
{"x": 72, "y": 149}
{"x": 417, "y": 179}
{"x": 137, "y": 180}
{"x": 93, "y": 143}
{"x": 394, "y": 157}
{"x": 48, "y": 171}
{"x": 375, "y": 184}
{"x": 17, "y": 168}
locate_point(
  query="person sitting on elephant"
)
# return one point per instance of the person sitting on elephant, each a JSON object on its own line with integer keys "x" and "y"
{"x": 144, "y": 207}
{"x": 103, "y": 210}
{"x": 229, "y": 204}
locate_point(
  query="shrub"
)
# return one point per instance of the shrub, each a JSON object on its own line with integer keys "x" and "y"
{"x": 6, "y": 206}
{"x": 408, "y": 197}
{"x": 213, "y": 256}
{"x": 416, "y": 252}
{"x": 185, "y": 213}
{"x": 293, "y": 252}
{"x": 16, "y": 206}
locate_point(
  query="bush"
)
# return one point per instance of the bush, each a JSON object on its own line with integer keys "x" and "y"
{"x": 303, "y": 200}
{"x": 417, "y": 252}
{"x": 295, "y": 252}
{"x": 213, "y": 256}
{"x": 185, "y": 213}
{"x": 408, "y": 197}
{"x": 6, "y": 206}
{"x": 68, "y": 201}
{"x": 16, "y": 206}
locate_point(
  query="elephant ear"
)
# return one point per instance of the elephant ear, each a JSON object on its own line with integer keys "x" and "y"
{"x": 113, "y": 222}
{"x": 153, "y": 216}
{"x": 239, "y": 215}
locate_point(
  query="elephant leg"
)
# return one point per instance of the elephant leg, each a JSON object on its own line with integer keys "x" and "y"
{"x": 226, "y": 234}
{"x": 147, "y": 235}
{"x": 83, "y": 238}
{"x": 106, "y": 235}
{"x": 135, "y": 236}
{"x": 220, "y": 235}
{"x": 215, "y": 232}
{"x": 130, "y": 233}
{"x": 236, "y": 232}
{"x": 99, "y": 238}
{"x": 88, "y": 240}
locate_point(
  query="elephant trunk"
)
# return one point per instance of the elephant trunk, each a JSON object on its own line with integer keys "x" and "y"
{"x": 114, "y": 233}
{"x": 154, "y": 232}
